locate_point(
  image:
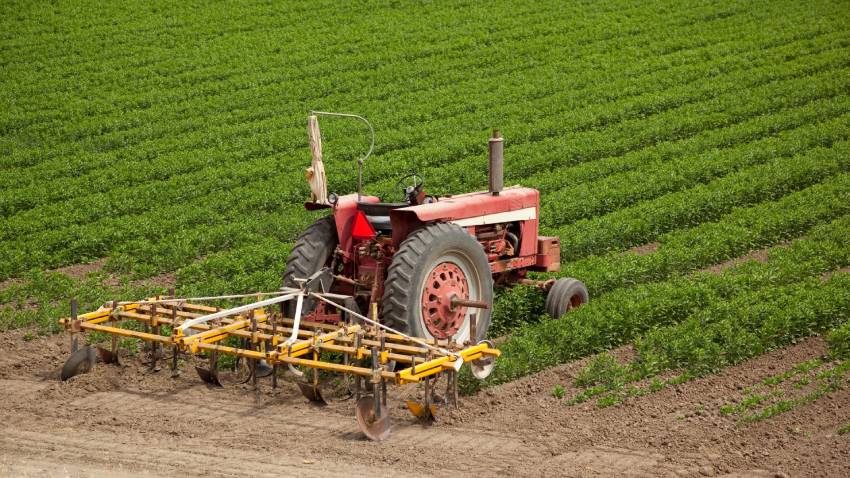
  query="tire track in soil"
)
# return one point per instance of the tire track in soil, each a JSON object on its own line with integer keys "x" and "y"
{"x": 335, "y": 421}
{"x": 18, "y": 390}
{"x": 116, "y": 425}
{"x": 176, "y": 457}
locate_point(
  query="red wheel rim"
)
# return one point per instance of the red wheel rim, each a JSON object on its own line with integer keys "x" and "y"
{"x": 445, "y": 282}
{"x": 575, "y": 301}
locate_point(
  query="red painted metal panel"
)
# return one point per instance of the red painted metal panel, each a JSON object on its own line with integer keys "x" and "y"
{"x": 471, "y": 205}
{"x": 511, "y": 264}
{"x": 548, "y": 254}
{"x": 344, "y": 214}
{"x": 475, "y": 204}
{"x": 528, "y": 236}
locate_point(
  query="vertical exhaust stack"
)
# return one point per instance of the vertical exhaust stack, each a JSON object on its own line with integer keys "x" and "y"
{"x": 497, "y": 163}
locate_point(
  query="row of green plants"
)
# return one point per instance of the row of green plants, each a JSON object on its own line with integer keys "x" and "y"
{"x": 756, "y": 322}
{"x": 187, "y": 114}
{"x": 839, "y": 341}
{"x": 220, "y": 208}
{"x": 685, "y": 250}
{"x": 595, "y": 198}
{"x": 740, "y": 231}
{"x": 188, "y": 158}
{"x": 123, "y": 55}
{"x": 629, "y": 124}
{"x": 302, "y": 68}
{"x": 755, "y": 408}
{"x": 242, "y": 76}
{"x": 725, "y": 334}
{"x": 739, "y": 130}
{"x": 113, "y": 57}
{"x": 648, "y": 119}
{"x": 626, "y": 314}
{"x": 647, "y": 97}
{"x": 646, "y": 221}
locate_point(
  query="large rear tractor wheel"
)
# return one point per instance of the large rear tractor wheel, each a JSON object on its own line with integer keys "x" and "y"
{"x": 312, "y": 251}
{"x": 566, "y": 294}
{"x": 433, "y": 267}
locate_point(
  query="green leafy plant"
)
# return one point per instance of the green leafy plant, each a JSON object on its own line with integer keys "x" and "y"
{"x": 558, "y": 392}
{"x": 839, "y": 341}
{"x": 698, "y": 323}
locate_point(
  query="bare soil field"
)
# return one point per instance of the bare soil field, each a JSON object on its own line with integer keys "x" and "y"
{"x": 128, "y": 421}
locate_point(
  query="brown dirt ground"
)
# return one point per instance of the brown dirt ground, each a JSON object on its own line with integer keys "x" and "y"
{"x": 644, "y": 249}
{"x": 827, "y": 275}
{"x": 80, "y": 271}
{"x": 759, "y": 255}
{"x": 9, "y": 282}
{"x": 127, "y": 421}
{"x": 164, "y": 281}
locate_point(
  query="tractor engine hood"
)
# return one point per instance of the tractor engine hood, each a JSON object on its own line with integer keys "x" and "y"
{"x": 514, "y": 204}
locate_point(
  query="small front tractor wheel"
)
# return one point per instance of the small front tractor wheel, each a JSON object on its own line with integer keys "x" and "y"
{"x": 566, "y": 294}
{"x": 434, "y": 267}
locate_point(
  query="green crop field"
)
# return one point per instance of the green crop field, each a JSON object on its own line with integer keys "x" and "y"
{"x": 165, "y": 144}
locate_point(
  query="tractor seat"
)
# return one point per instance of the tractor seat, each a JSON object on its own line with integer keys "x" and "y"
{"x": 378, "y": 213}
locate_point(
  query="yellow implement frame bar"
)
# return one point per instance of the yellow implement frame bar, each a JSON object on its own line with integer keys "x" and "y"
{"x": 269, "y": 332}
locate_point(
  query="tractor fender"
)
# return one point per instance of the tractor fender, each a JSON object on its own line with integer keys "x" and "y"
{"x": 344, "y": 213}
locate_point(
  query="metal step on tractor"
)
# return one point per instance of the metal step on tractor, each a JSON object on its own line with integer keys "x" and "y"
{"x": 401, "y": 291}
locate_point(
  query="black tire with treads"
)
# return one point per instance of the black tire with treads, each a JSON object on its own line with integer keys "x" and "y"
{"x": 312, "y": 251}
{"x": 566, "y": 294}
{"x": 414, "y": 260}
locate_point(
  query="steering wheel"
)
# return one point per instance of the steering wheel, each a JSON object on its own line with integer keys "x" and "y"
{"x": 411, "y": 191}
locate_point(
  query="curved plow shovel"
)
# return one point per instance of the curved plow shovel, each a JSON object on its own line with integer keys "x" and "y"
{"x": 482, "y": 367}
{"x": 107, "y": 356}
{"x": 262, "y": 369}
{"x": 312, "y": 392}
{"x": 79, "y": 362}
{"x": 209, "y": 376}
{"x": 427, "y": 413}
{"x": 375, "y": 427}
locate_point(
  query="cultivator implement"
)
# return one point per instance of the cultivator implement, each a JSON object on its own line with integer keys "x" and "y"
{"x": 261, "y": 336}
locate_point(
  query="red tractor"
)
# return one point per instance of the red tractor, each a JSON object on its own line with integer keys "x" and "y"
{"x": 428, "y": 263}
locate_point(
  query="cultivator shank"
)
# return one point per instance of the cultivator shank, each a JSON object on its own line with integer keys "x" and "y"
{"x": 262, "y": 336}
